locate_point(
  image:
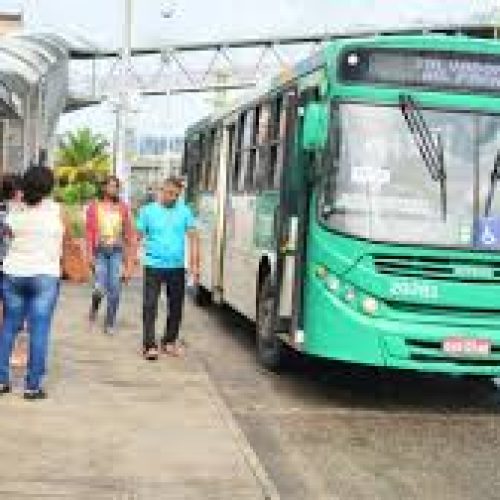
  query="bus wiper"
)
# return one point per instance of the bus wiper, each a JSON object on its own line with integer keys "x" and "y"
{"x": 494, "y": 177}
{"x": 430, "y": 148}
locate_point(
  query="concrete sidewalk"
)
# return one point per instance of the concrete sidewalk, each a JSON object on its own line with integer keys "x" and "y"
{"x": 117, "y": 427}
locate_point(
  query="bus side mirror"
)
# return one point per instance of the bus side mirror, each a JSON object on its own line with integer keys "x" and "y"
{"x": 315, "y": 128}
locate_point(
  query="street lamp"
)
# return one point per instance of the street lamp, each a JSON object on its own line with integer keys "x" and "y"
{"x": 125, "y": 87}
{"x": 168, "y": 12}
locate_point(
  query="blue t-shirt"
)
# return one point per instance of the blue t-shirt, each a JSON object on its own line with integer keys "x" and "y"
{"x": 164, "y": 230}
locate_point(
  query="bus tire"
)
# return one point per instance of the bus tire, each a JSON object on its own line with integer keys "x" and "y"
{"x": 270, "y": 349}
{"x": 202, "y": 297}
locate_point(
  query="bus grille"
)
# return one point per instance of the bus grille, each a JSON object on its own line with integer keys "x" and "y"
{"x": 438, "y": 268}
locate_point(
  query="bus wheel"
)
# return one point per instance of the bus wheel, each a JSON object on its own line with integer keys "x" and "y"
{"x": 202, "y": 296}
{"x": 270, "y": 350}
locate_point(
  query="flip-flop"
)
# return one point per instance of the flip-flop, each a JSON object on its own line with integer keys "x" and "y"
{"x": 150, "y": 354}
{"x": 168, "y": 349}
{"x": 178, "y": 351}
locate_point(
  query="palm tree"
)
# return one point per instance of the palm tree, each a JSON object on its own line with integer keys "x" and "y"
{"x": 82, "y": 155}
{"x": 80, "y": 147}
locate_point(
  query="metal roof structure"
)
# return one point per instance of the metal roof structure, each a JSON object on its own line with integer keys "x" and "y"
{"x": 33, "y": 95}
{"x": 25, "y": 59}
{"x": 476, "y": 27}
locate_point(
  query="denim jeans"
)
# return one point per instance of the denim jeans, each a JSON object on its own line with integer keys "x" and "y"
{"x": 32, "y": 299}
{"x": 108, "y": 264}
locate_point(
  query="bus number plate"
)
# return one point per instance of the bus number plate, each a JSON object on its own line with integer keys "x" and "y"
{"x": 458, "y": 346}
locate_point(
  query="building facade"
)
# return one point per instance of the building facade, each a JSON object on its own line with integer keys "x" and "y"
{"x": 10, "y": 22}
{"x": 158, "y": 157}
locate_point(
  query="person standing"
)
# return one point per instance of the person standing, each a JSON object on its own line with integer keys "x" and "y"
{"x": 109, "y": 236}
{"x": 32, "y": 269}
{"x": 150, "y": 196}
{"x": 11, "y": 198}
{"x": 164, "y": 226}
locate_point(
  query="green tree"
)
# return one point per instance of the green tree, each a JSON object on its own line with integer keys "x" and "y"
{"x": 82, "y": 163}
{"x": 77, "y": 149}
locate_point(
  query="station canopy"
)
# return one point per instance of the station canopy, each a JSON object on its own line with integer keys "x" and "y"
{"x": 28, "y": 60}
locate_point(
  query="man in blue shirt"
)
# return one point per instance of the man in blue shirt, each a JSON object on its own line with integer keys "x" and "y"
{"x": 165, "y": 226}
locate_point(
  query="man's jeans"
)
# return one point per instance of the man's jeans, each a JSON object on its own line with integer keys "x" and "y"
{"x": 175, "y": 282}
{"x": 34, "y": 299}
{"x": 108, "y": 265}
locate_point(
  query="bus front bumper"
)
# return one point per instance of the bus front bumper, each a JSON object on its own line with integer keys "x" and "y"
{"x": 335, "y": 329}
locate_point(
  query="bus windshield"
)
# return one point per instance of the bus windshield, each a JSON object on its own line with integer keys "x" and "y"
{"x": 378, "y": 187}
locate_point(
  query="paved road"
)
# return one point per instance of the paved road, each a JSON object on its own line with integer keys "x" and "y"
{"x": 328, "y": 432}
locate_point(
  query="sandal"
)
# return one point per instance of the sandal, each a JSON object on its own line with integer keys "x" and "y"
{"x": 150, "y": 354}
{"x": 176, "y": 350}
{"x": 35, "y": 395}
{"x": 5, "y": 389}
{"x": 168, "y": 349}
{"x": 179, "y": 351}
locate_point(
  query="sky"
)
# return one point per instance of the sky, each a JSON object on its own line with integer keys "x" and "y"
{"x": 100, "y": 21}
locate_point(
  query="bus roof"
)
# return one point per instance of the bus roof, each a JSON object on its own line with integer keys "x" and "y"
{"x": 432, "y": 42}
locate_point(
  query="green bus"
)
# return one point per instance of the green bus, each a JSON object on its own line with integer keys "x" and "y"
{"x": 350, "y": 209}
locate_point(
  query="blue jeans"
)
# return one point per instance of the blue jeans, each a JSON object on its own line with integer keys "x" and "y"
{"x": 32, "y": 299}
{"x": 108, "y": 264}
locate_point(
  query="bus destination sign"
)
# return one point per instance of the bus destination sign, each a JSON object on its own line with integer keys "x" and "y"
{"x": 427, "y": 69}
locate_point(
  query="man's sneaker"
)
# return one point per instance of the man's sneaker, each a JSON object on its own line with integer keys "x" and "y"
{"x": 35, "y": 395}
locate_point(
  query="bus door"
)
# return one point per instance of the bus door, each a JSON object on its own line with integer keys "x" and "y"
{"x": 292, "y": 218}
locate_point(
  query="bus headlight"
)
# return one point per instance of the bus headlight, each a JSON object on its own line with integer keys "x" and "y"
{"x": 370, "y": 306}
{"x": 350, "y": 295}
{"x": 333, "y": 284}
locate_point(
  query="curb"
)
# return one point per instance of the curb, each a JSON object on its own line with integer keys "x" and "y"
{"x": 258, "y": 470}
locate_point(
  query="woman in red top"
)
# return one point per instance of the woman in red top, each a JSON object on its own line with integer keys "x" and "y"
{"x": 109, "y": 237}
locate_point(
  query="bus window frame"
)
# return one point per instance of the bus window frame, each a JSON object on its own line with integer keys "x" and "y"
{"x": 258, "y": 146}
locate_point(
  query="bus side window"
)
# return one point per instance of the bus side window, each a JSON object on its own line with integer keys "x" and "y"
{"x": 209, "y": 163}
{"x": 272, "y": 145}
{"x": 245, "y": 157}
{"x": 277, "y": 143}
{"x": 262, "y": 166}
{"x": 238, "y": 154}
{"x": 215, "y": 159}
{"x": 250, "y": 182}
{"x": 203, "y": 162}
{"x": 193, "y": 166}
{"x": 197, "y": 163}
{"x": 231, "y": 153}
